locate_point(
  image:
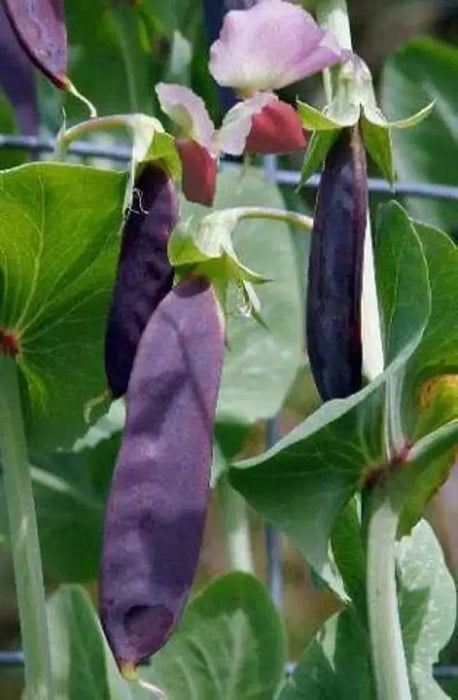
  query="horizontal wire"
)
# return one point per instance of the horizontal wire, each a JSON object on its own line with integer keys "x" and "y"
{"x": 15, "y": 658}
{"x": 122, "y": 155}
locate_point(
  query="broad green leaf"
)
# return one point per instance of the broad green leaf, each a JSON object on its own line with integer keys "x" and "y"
{"x": 428, "y": 401}
{"x": 9, "y": 157}
{"x": 421, "y": 71}
{"x": 229, "y": 645}
{"x": 303, "y": 482}
{"x": 349, "y": 555}
{"x": 110, "y": 60}
{"x": 427, "y": 605}
{"x": 397, "y": 247}
{"x": 260, "y": 362}
{"x": 70, "y": 492}
{"x": 438, "y": 350}
{"x": 335, "y": 665}
{"x": 82, "y": 665}
{"x": 58, "y": 251}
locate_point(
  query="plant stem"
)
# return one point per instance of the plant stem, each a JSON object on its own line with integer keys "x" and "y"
{"x": 289, "y": 217}
{"x": 24, "y": 536}
{"x": 388, "y": 657}
{"x": 236, "y": 528}
{"x": 90, "y": 126}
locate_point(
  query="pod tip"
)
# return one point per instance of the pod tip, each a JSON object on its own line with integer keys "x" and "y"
{"x": 128, "y": 670}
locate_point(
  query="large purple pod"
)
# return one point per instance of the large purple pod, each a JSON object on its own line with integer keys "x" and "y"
{"x": 159, "y": 494}
{"x": 40, "y": 28}
{"x": 144, "y": 275}
{"x": 335, "y": 269}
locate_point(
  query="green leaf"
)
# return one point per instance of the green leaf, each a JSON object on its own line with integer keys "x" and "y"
{"x": 317, "y": 149}
{"x": 70, "y": 493}
{"x": 335, "y": 665}
{"x": 430, "y": 392}
{"x": 438, "y": 350}
{"x": 82, "y": 665}
{"x": 398, "y": 248}
{"x": 110, "y": 59}
{"x": 427, "y": 606}
{"x": 58, "y": 245}
{"x": 9, "y": 157}
{"x": 229, "y": 645}
{"x": 304, "y": 481}
{"x": 349, "y": 554}
{"x": 260, "y": 363}
{"x": 421, "y": 71}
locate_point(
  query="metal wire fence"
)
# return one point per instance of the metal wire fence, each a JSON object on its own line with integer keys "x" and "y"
{"x": 119, "y": 154}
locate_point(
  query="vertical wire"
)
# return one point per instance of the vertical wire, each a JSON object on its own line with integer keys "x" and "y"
{"x": 272, "y": 536}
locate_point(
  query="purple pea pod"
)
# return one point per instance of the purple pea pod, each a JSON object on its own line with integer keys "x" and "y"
{"x": 335, "y": 269}
{"x": 40, "y": 28}
{"x": 159, "y": 494}
{"x": 144, "y": 275}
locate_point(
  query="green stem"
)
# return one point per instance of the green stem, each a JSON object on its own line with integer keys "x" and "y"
{"x": 388, "y": 657}
{"x": 90, "y": 126}
{"x": 24, "y": 536}
{"x": 289, "y": 217}
{"x": 236, "y": 528}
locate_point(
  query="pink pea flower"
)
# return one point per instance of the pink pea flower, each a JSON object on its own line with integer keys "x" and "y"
{"x": 259, "y": 50}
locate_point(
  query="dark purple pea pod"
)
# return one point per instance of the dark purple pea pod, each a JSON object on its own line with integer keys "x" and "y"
{"x": 335, "y": 269}
{"x": 144, "y": 275}
{"x": 40, "y": 28}
{"x": 159, "y": 494}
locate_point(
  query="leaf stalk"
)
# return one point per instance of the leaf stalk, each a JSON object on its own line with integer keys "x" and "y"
{"x": 24, "y": 536}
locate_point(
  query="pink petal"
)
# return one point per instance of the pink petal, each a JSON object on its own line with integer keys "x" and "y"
{"x": 231, "y": 137}
{"x": 276, "y": 129}
{"x": 199, "y": 172}
{"x": 269, "y": 46}
{"x": 187, "y": 110}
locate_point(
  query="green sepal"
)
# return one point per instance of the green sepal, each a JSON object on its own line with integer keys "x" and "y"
{"x": 378, "y": 143}
{"x": 199, "y": 239}
{"x": 317, "y": 150}
{"x": 314, "y": 120}
{"x": 151, "y": 143}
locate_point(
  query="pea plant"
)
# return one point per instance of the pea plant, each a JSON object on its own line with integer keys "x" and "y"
{"x": 154, "y": 317}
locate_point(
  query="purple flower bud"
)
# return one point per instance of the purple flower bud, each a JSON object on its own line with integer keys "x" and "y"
{"x": 144, "y": 275}
{"x": 159, "y": 494}
{"x": 335, "y": 269}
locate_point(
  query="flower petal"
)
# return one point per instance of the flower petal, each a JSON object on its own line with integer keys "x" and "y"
{"x": 187, "y": 110}
{"x": 277, "y": 129}
{"x": 231, "y": 137}
{"x": 199, "y": 172}
{"x": 269, "y": 46}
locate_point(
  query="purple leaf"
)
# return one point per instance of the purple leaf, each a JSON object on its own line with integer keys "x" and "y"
{"x": 158, "y": 501}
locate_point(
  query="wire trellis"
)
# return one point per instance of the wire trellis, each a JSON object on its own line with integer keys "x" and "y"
{"x": 122, "y": 154}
